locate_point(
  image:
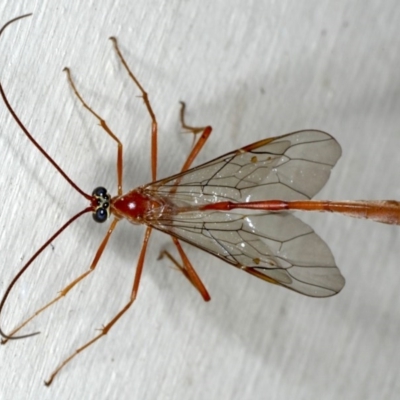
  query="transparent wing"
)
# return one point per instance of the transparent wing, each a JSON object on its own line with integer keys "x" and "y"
{"x": 289, "y": 167}
{"x": 276, "y": 247}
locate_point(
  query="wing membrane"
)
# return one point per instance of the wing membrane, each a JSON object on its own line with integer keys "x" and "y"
{"x": 289, "y": 167}
{"x": 277, "y": 247}
{"x": 271, "y": 246}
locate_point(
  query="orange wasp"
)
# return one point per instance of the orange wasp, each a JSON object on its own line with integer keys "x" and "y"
{"x": 236, "y": 207}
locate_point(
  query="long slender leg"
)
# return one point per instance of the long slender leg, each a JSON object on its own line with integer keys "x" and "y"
{"x": 104, "y": 125}
{"x": 187, "y": 269}
{"x": 194, "y": 129}
{"x": 187, "y": 266}
{"x": 145, "y": 96}
{"x": 65, "y": 290}
{"x": 206, "y": 132}
{"x": 194, "y": 278}
{"x": 108, "y": 326}
{"x": 197, "y": 146}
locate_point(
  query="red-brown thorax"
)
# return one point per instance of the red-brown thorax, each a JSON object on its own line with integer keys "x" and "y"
{"x": 137, "y": 206}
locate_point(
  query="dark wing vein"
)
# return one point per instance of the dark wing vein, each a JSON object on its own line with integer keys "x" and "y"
{"x": 277, "y": 246}
{"x": 290, "y": 167}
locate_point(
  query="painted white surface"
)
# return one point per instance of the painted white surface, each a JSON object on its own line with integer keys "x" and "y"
{"x": 251, "y": 69}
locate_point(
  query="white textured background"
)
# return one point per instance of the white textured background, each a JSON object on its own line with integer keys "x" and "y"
{"x": 252, "y": 69}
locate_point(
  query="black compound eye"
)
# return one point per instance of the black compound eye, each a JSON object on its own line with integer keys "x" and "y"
{"x": 100, "y": 215}
{"x": 100, "y": 192}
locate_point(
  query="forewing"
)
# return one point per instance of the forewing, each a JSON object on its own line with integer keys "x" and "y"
{"x": 289, "y": 167}
{"x": 276, "y": 247}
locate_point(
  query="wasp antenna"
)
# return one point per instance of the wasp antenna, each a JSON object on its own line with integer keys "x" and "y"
{"x": 12, "y": 21}
{"x": 25, "y": 130}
